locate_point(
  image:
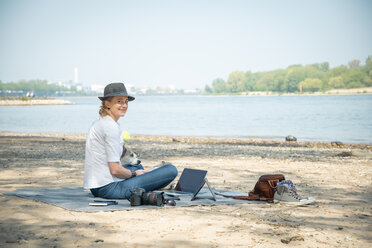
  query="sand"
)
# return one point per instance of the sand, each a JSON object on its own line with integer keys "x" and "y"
{"x": 337, "y": 175}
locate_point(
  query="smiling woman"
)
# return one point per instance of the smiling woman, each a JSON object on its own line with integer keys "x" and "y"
{"x": 115, "y": 106}
{"x": 104, "y": 174}
{"x": 115, "y": 101}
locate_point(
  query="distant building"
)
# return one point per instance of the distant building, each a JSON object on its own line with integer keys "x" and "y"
{"x": 194, "y": 91}
{"x": 79, "y": 87}
{"x": 97, "y": 88}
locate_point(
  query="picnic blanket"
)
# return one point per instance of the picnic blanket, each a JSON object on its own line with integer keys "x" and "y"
{"x": 78, "y": 199}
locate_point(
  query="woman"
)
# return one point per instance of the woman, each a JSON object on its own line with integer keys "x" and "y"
{"x": 103, "y": 173}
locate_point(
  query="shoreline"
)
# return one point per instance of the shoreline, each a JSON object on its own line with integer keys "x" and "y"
{"x": 208, "y": 140}
{"x": 57, "y": 100}
{"x": 31, "y": 102}
{"x": 333, "y": 92}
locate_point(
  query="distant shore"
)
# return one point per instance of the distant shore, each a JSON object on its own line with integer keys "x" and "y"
{"x": 24, "y": 101}
{"x": 356, "y": 91}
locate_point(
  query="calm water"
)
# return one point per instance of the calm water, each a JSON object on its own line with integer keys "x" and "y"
{"x": 309, "y": 118}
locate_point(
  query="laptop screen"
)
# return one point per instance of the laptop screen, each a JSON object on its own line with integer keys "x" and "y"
{"x": 191, "y": 180}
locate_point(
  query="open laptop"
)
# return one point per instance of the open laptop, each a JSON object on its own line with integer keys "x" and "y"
{"x": 191, "y": 182}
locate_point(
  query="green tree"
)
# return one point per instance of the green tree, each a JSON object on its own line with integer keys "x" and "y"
{"x": 278, "y": 79}
{"x": 294, "y": 66}
{"x": 270, "y": 81}
{"x": 39, "y": 87}
{"x": 296, "y": 75}
{"x": 367, "y": 81}
{"x": 324, "y": 66}
{"x": 311, "y": 84}
{"x": 219, "y": 86}
{"x": 338, "y": 71}
{"x": 236, "y": 82}
{"x": 368, "y": 68}
{"x": 208, "y": 89}
{"x": 354, "y": 78}
{"x": 321, "y": 66}
{"x": 336, "y": 82}
{"x": 354, "y": 63}
{"x": 251, "y": 80}
{"x": 289, "y": 79}
{"x": 263, "y": 83}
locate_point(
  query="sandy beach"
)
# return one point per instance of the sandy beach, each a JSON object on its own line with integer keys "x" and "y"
{"x": 337, "y": 175}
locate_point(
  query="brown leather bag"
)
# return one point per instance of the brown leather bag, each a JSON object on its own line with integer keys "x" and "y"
{"x": 264, "y": 189}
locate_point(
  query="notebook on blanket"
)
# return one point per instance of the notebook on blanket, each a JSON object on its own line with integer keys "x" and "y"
{"x": 191, "y": 182}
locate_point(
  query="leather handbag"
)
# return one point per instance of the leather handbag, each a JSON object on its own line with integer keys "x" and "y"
{"x": 264, "y": 189}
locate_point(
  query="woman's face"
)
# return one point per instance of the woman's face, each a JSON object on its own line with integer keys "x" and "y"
{"x": 118, "y": 106}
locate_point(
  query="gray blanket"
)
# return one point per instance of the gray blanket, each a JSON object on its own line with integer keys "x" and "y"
{"x": 78, "y": 199}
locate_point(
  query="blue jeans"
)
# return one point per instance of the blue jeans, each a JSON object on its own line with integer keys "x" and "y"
{"x": 152, "y": 180}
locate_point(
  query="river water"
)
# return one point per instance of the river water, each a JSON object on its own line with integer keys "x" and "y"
{"x": 345, "y": 118}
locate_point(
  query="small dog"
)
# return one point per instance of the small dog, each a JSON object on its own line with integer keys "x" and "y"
{"x": 128, "y": 157}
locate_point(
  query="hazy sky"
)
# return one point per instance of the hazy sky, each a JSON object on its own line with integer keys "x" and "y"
{"x": 184, "y": 43}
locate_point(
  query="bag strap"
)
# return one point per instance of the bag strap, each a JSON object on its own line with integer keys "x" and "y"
{"x": 273, "y": 183}
{"x": 251, "y": 198}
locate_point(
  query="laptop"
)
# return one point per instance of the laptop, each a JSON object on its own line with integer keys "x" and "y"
{"x": 191, "y": 182}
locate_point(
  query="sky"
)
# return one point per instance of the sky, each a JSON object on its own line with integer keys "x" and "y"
{"x": 186, "y": 44}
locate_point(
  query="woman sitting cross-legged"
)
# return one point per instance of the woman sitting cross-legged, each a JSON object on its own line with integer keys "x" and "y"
{"x": 103, "y": 173}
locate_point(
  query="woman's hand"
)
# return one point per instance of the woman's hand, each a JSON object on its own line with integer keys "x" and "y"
{"x": 121, "y": 172}
{"x": 140, "y": 172}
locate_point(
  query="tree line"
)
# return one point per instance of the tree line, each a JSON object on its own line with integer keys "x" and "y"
{"x": 38, "y": 87}
{"x": 297, "y": 78}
